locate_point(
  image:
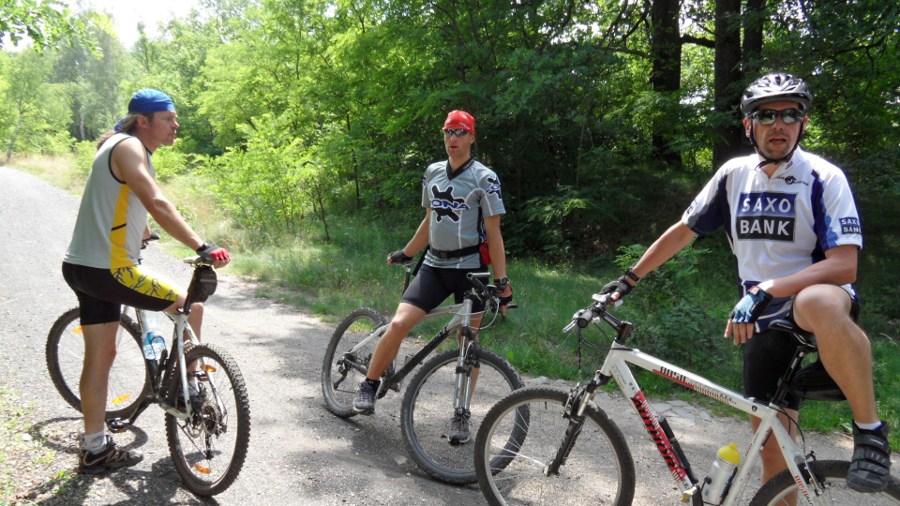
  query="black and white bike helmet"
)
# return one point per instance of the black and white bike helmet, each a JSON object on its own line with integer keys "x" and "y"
{"x": 776, "y": 87}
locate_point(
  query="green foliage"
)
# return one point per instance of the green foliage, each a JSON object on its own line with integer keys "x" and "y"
{"x": 44, "y": 22}
{"x": 262, "y": 186}
{"x": 33, "y": 111}
{"x": 92, "y": 73}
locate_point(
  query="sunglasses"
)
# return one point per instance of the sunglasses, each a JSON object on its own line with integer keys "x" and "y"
{"x": 768, "y": 116}
{"x": 459, "y": 132}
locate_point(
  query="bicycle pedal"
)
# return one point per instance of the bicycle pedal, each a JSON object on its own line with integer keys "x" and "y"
{"x": 117, "y": 425}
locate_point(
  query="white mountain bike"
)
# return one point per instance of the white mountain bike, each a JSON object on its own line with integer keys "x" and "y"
{"x": 567, "y": 451}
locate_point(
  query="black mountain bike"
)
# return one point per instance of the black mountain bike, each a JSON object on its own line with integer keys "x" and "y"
{"x": 209, "y": 435}
{"x": 441, "y": 388}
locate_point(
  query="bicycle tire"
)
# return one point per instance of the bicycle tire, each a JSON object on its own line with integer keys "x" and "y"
{"x": 65, "y": 360}
{"x": 599, "y": 469}
{"x": 428, "y": 406}
{"x": 209, "y": 449}
{"x": 833, "y": 475}
{"x": 339, "y": 385}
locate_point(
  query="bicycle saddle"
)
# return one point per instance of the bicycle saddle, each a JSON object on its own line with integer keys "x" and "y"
{"x": 812, "y": 382}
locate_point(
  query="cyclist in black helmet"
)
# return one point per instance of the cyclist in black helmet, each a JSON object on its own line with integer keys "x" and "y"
{"x": 793, "y": 225}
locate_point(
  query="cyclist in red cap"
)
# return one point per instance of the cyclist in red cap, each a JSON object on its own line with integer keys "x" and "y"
{"x": 463, "y": 205}
{"x": 101, "y": 264}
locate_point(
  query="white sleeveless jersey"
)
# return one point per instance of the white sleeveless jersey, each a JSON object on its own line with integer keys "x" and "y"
{"x": 111, "y": 219}
{"x": 778, "y": 226}
{"x": 459, "y": 202}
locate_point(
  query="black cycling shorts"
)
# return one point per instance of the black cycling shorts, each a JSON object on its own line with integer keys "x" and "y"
{"x": 432, "y": 285}
{"x": 767, "y": 356}
{"x": 101, "y": 292}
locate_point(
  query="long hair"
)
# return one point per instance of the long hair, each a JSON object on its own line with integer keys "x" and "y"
{"x": 126, "y": 124}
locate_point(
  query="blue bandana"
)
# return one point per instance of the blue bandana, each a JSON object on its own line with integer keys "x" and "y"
{"x": 145, "y": 101}
{"x": 150, "y": 100}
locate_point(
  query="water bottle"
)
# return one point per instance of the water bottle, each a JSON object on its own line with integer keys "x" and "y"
{"x": 720, "y": 474}
{"x": 154, "y": 342}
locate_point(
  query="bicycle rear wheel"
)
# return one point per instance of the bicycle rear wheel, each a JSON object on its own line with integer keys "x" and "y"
{"x": 209, "y": 449}
{"x": 599, "y": 469}
{"x": 341, "y": 371}
{"x": 428, "y": 407}
{"x": 129, "y": 380}
{"x": 833, "y": 475}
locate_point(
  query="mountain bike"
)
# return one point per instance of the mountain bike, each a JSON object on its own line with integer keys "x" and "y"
{"x": 209, "y": 434}
{"x": 572, "y": 453}
{"x": 442, "y": 388}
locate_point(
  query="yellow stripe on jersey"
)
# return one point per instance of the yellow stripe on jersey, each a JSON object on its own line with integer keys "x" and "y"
{"x": 118, "y": 255}
{"x": 135, "y": 280}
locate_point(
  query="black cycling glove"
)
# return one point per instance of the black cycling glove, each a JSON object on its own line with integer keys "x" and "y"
{"x": 399, "y": 257}
{"x": 501, "y": 285}
{"x": 619, "y": 286}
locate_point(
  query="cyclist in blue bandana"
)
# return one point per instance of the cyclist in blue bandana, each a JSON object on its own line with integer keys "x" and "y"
{"x": 794, "y": 228}
{"x": 101, "y": 264}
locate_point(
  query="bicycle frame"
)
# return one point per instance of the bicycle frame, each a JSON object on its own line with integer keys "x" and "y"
{"x": 616, "y": 366}
{"x": 461, "y": 319}
{"x": 164, "y": 371}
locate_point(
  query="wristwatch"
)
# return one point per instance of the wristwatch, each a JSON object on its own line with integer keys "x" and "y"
{"x": 502, "y": 281}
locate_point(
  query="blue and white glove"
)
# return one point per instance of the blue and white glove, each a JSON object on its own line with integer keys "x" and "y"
{"x": 751, "y": 306}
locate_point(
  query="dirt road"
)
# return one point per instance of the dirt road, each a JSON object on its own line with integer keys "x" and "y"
{"x": 299, "y": 453}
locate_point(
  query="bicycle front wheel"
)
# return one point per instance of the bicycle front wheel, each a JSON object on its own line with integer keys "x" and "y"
{"x": 209, "y": 448}
{"x": 832, "y": 474}
{"x": 428, "y": 408}
{"x": 598, "y": 470}
{"x": 343, "y": 371}
{"x": 129, "y": 380}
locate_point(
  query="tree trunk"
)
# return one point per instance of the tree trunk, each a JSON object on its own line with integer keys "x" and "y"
{"x": 754, "y": 25}
{"x": 727, "y": 80}
{"x": 665, "y": 77}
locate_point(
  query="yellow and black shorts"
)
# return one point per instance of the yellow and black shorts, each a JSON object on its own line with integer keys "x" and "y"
{"x": 102, "y": 292}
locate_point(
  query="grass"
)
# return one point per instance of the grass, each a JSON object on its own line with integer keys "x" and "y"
{"x": 679, "y": 311}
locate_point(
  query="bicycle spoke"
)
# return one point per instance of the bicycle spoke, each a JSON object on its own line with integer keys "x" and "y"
{"x": 428, "y": 410}
{"x": 342, "y": 371}
{"x": 514, "y": 468}
{"x": 209, "y": 448}
{"x": 128, "y": 379}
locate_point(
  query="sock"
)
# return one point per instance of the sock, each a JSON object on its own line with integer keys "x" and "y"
{"x": 373, "y": 383}
{"x": 94, "y": 443}
{"x": 868, "y": 426}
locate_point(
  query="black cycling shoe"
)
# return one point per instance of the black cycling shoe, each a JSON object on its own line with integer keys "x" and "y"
{"x": 870, "y": 468}
{"x": 108, "y": 459}
{"x": 459, "y": 428}
{"x": 365, "y": 399}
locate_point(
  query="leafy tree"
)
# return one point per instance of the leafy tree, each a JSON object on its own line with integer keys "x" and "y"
{"x": 46, "y": 23}
{"x": 34, "y": 115}
{"x": 93, "y": 76}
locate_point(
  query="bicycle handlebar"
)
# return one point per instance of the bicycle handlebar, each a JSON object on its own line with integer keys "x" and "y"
{"x": 598, "y": 310}
{"x": 197, "y": 261}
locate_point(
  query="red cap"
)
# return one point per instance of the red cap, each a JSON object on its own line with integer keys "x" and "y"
{"x": 460, "y": 119}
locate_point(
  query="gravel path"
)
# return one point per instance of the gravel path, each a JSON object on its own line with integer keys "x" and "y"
{"x": 299, "y": 453}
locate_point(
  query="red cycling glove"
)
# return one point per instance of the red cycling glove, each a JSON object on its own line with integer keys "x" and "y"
{"x": 213, "y": 253}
